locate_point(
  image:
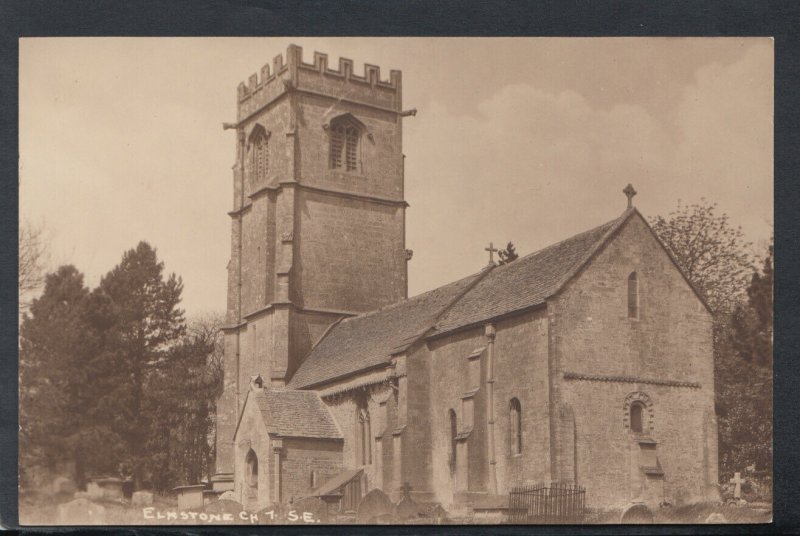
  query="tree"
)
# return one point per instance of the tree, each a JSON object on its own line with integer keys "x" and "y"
{"x": 508, "y": 255}
{"x": 753, "y": 321}
{"x": 714, "y": 257}
{"x": 56, "y": 379}
{"x": 744, "y": 378}
{"x": 182, "y": 399}
{"x": 32, "y": 260}
{"x": 711, "y": 252}
{"x": 137, "y": 311}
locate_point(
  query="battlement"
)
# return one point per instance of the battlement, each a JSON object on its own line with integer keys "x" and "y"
{"x": 371, "y": 76}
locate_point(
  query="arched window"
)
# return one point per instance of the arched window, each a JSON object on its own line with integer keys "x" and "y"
{"x": 363, "y": 439}
{"x": 637, "y": 409}
{"x": 633, "y": 296}
{"x": 515, "y": 414}
{"x": 345, "y": 137}
{"x": 251, "y": 463}
{"x": 453, "y": 433}
{"x": 259, "y": 155}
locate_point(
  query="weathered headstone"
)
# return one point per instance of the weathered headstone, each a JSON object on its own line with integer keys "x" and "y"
{"x": 63, "y": 484}
{"x": 142, "y": 498}
{"x": 716, "y": 517}
{"x": 636, "y": 514}
{"x": 737, "y": 481}
{"x": 227, "y": 496}
{"x": 314, "y": 505}
{"x": 438, "y": 513}
{"x": 189, "y": 497}
{"x": 225, "y": 506}
{"x": 374, "y": 505}
{"x": 105, "y": 488}
{"x": 81, "y": 512}
{"x": 406, "y": 508}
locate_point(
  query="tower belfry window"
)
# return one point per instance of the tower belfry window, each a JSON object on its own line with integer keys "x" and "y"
{"x": 259, "y": 155}
{"x": 345, "y": 137}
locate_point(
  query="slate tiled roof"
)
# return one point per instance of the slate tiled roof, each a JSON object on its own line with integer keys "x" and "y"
{"x": 368, "y": 340}
{"x": 333, "y": 484}
{"x": 526, "y": 282}
{"x": 289, "y": 413}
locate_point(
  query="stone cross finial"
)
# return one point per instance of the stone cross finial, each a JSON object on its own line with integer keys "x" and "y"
{"x": 629, "y": 191}
{"x": 406, "y": 489}
{"x": 491, "y": 249}
{"x": 737, "y": 480}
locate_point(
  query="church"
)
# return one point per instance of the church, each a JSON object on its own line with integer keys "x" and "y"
{"x": 587, "y": 362}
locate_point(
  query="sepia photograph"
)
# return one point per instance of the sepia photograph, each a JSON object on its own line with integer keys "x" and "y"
{"x": 395, "y": 281}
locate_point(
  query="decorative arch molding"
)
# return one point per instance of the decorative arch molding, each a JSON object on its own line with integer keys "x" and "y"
{"x": 346, "y": 118}
{"x": 648, "y": 415}
{"x": 255, "y": 128}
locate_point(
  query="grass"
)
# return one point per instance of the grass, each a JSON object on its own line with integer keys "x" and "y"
{"x": 42, "y": 509}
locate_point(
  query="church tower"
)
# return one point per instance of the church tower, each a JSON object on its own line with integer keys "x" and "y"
{"x": 318, "y": 219}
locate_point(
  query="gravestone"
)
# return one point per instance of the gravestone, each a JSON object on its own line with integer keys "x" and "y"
{"x": 407, "y": 508}
{"x": 737, "y": 481}
{"x": 438, "y": 513}
{"x": 225, "y": 506}
{"x": 142, "y": 498}
{"x": 316, "y": 506}
{"x": 81, "y": 512}
{"x": 374, "y": 505}
{"x": 636, "y": 514}
{"x": 63, "y": 484}
{"x": 105, "y": 488}
{"x": 189, "y": 497}
{"x": 227, "y": 496}
{"x": 716, "y": 517}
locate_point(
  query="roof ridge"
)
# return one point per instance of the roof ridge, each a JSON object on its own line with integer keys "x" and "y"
{"x": 406, "y": 300}
{"x": 613, "y": 226}
{"x": 560, "y": 242}
{"x": 432, "y": 323}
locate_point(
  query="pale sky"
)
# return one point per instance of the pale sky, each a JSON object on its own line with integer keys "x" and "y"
{"x": 529, "y": 140}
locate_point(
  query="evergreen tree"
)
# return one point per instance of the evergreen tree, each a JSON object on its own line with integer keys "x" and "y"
{"x": 508, "y": 255}
{"x": 57, "y": 342}
{"x": 182, "y": 399}
{"x": 744, "y": 378}
{"x": 137, "y": 311}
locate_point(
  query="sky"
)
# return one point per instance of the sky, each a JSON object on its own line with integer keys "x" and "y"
{"x": 523, "y": 139}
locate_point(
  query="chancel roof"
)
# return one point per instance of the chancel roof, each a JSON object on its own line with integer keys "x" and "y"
{"x": 290, "y": 413}
{"x": 526, "y": 282}
{"x": 369, "y": 340}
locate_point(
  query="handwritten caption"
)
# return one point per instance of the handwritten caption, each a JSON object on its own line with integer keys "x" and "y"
{"x": 253, "y": 518}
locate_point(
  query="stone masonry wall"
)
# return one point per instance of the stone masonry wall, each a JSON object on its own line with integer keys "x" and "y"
{"x": 449, "y": 381}
{"x": 349, "y": 255}
{"x": 300, "y": 456}
{"x": 670, "y": 341}
{"x": 380, "y": 172}
{"x": 521, "y": 373}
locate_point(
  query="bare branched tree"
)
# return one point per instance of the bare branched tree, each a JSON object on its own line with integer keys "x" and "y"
{"x": 32, "y": 261}
{"x": 712, "y": 253}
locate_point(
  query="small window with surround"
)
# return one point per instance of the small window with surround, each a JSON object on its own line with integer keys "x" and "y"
{"x": 345, "y": 144}
{"x": 633, "y": 296}
{"x": 637, "y": 422}
{"x": 516, "y": 426}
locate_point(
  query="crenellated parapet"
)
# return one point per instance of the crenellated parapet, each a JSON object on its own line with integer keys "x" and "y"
{"x": 317, "y": 77}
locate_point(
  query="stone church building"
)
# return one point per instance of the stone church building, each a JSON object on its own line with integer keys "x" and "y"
{"x": 589, "y": 361}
